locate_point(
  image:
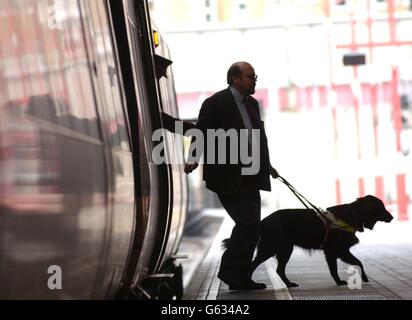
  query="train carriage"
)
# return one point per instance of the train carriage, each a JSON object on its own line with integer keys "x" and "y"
{"x": 85, "y": 213}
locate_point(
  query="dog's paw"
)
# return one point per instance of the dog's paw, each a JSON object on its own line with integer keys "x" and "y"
{"x": 341, "y": 283}
{"x": 292, "y": 285}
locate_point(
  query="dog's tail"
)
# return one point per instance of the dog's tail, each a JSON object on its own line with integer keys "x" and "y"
{"x": 225, "y": 244}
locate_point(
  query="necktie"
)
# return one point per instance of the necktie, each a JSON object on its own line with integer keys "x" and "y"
{"x": 254, "y": 120}
{"x": 252, "y": 114}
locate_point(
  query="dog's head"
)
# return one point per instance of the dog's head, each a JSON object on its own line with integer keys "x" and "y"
{"x": 363, "y": 213}
{"x": 368, "y": 211}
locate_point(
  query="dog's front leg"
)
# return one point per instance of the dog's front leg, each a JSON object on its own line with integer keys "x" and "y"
{"x": 333, "y": 268}
{"x": 348, "y": 257}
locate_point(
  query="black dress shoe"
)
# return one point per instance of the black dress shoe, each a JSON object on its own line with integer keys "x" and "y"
{"x": 247, "y": 285}
{"x": 230, "y": 279}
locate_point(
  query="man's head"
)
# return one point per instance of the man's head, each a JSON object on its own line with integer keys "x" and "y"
{"x": 241, "y": 75}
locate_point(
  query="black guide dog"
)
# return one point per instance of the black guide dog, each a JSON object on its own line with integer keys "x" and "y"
{"x": 284, "y": 229}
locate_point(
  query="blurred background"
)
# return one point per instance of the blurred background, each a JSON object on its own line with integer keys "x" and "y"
{"x": 336, "y": 131}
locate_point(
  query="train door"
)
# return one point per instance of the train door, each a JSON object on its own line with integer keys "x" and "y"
{"x": 151, "y": 190}
{"x": 140, "y": 11}
{"x": 154, "y": 181}
{"x": 174, "y": 151}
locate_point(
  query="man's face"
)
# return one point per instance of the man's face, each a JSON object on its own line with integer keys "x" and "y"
{"x": 246, "y": 83}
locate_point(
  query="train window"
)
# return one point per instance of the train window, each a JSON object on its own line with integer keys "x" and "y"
{"x": 82, "y": 115}
{"x": 19, "y": 69}
{"x": 51, "y": 77}
{"x": 109, "y": 77}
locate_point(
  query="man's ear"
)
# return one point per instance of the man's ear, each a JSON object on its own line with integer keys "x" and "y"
{"x": 236, "y": 80}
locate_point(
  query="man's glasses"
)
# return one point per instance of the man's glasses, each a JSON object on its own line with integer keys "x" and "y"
{"x": 251, "y": 76}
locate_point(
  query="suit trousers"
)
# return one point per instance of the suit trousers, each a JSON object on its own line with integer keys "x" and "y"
{"x": 244, "y": 208}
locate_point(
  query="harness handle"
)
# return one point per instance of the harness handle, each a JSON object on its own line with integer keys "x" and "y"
{"x": 300, "y": 196}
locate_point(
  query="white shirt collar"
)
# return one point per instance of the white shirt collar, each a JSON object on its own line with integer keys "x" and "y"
{"x": 237, "y": 95}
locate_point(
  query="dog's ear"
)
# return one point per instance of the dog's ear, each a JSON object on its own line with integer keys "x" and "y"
{"x": 349, "y": 214}
{"x": 373, "y": 209}
{"x": 361, "y": 213}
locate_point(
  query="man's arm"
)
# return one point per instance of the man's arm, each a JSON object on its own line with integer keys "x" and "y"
{"x": 204, "y": 122}
{"x": 169, "y": 123}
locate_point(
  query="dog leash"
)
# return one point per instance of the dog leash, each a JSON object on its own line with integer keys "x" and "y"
{"x": 300, "y": 196}
{"x": 328, "y": 219}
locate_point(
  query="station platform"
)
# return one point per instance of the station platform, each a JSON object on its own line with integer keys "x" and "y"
{"x": 386, "y": 254}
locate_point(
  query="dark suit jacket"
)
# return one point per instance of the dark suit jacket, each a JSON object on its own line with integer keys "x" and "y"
{"x": 220, "y": 111}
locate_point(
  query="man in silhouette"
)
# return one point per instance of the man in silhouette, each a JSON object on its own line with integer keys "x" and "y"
{"x": 239, "y": 193}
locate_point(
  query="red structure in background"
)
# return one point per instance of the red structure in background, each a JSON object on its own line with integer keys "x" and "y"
{"x": 402, "y": 198}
